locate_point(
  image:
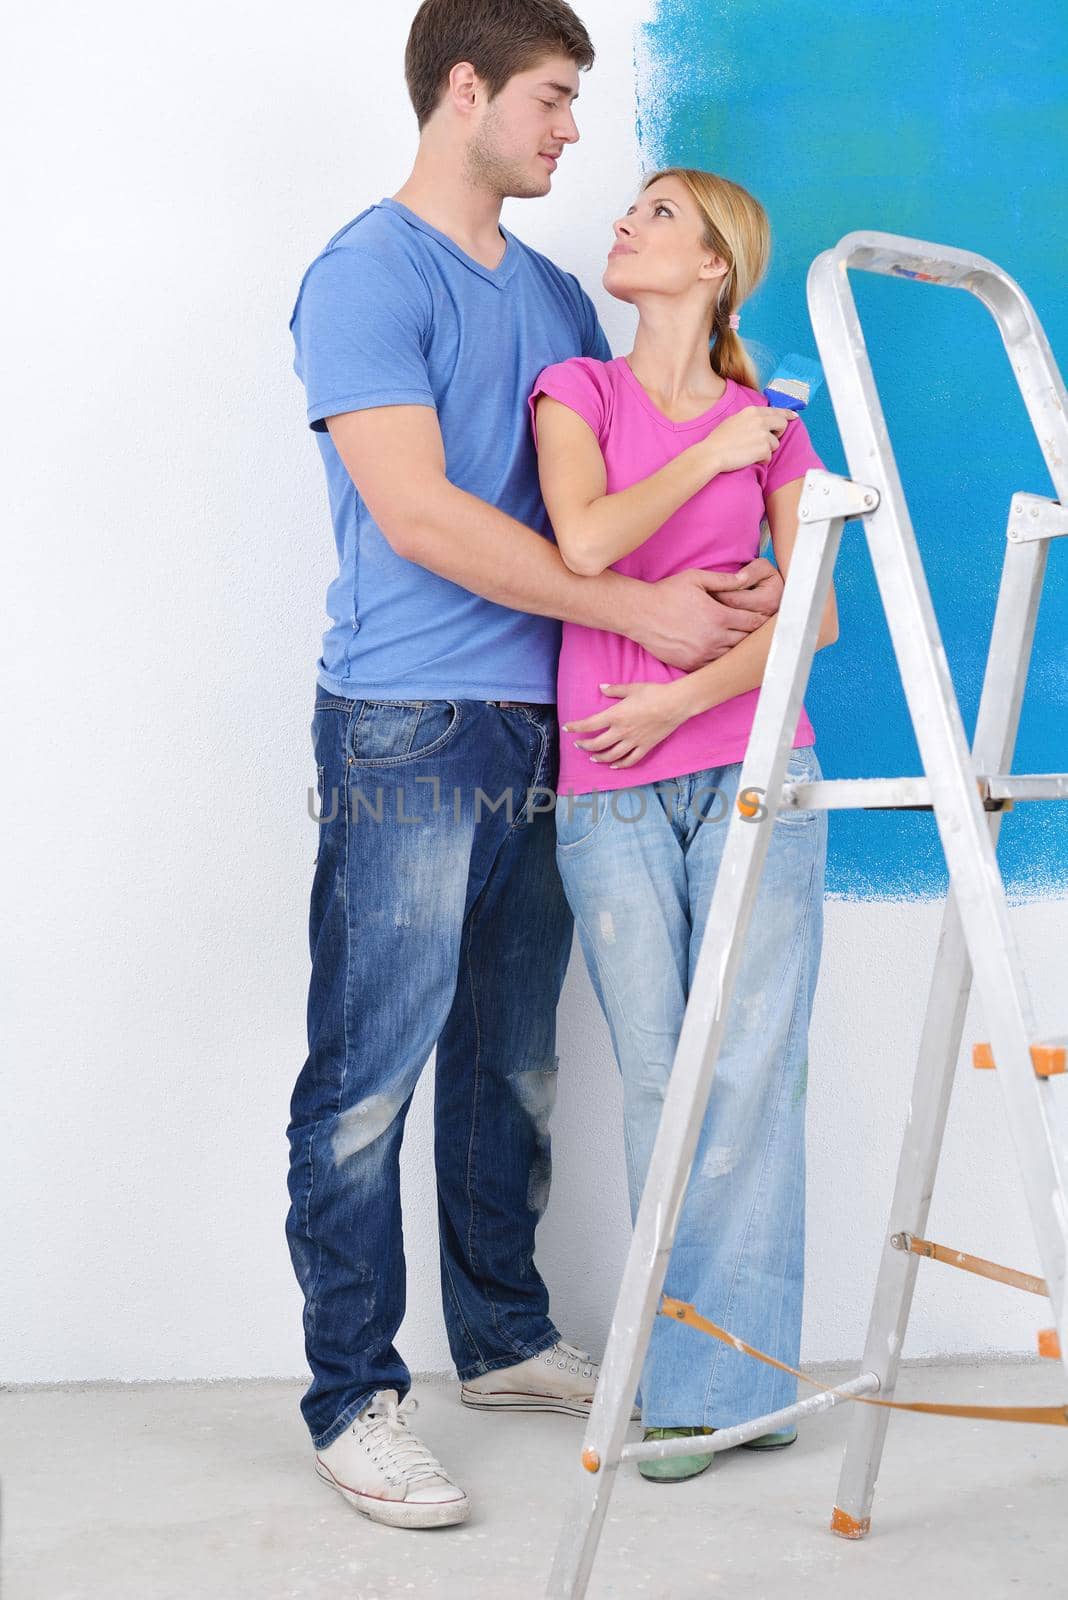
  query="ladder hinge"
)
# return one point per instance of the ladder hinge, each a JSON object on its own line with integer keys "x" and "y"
{"x": 1033, "y": 516}
{"x": 826, "y": 495}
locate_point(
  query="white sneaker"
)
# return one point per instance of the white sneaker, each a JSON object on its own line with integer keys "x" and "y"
{"x": 388, "y": 1473}
{"x": 562, "y": 1378}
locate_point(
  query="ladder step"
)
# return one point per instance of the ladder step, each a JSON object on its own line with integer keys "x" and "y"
{"x": 1050, "y": 1057}
{"x": 998, "y": 792}
{"x": 707, "y": 1444}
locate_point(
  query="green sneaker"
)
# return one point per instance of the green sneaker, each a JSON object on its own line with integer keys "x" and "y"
{"x": 673, "y": 1469}
{"x": 771, "y": 1441}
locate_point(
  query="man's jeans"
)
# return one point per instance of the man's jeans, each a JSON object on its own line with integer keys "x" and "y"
{"x": 639, "y": 868}
{"x": 448, "y": 930}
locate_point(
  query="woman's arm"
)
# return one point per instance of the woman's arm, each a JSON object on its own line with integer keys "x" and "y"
{"x": 643, "y": 714}
{"x": 593, "y": 528}
{"x": 743, "y": 666}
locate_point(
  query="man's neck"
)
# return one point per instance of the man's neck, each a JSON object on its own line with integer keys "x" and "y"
{"x": 437, "y": 191}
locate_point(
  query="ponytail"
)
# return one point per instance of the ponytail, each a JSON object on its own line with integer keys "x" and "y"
{"x": 727, "y": 353}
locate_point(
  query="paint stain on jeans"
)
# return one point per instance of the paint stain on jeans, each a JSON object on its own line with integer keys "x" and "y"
{"x": 536, "y": 1093}
{"x": 719, "y": 1160}
{"x": 363, "y": 1123}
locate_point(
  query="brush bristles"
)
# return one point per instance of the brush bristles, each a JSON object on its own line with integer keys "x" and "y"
{"x": 791, "y": 386}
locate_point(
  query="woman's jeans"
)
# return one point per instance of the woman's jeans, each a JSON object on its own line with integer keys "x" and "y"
{"x": 437, "y": 918}
{"x": 639, "y": 867}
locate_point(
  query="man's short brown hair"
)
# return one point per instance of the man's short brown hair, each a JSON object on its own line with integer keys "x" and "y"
{"x": 498, "y": 37}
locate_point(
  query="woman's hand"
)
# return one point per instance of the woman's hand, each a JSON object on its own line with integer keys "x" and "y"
{"x": 621, "y": 735}
{"x": 746, "y": 438}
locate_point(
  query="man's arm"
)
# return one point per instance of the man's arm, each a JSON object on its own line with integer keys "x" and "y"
{"x": 396, "y": 458}
{"x": 743, "y": 667}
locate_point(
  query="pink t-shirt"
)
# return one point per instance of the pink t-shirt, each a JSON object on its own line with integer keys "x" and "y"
{"x": 718, "y": 529}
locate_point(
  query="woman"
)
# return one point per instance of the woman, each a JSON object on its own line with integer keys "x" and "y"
{"x": 652, "y": 463}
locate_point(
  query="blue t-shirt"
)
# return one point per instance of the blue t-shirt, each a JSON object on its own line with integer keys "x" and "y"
{"x": 393, "y": 312}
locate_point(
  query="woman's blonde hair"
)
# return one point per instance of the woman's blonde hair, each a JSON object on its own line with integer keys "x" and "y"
{"x": 736, "y": 228}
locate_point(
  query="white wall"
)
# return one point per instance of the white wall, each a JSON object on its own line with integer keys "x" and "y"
{"x": 171, "y": 546}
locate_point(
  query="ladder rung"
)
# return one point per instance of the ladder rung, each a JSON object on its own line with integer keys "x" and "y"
{"x": 1049, "y": 1057}
{"x": 998, "y": 792}
{"x": 1028, "y": 786}
{"x": 707, "y": 1444}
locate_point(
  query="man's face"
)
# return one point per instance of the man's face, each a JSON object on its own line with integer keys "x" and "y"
{"x": 521, "y": 134}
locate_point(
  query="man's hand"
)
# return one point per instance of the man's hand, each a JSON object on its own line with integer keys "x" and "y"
{"x": 759, "y": 588}
{"x": 686, "y": 624}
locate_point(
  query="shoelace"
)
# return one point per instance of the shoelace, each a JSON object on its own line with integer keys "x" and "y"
{"x": 577, "y": 1359}
{"x": 393, "y": 1447}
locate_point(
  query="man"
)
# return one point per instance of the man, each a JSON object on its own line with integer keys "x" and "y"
{"x": 437, "y": 915}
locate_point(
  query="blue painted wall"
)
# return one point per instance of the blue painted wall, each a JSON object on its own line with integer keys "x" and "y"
{"x": 950, "y": 123}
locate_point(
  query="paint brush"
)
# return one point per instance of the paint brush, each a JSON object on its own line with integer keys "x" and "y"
{"x": 791, "y": 389}
{"x": 795, "y": 382}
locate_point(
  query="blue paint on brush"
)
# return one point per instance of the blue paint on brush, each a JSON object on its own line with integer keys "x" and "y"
{"x": 794, "y": 384}
{"x": 783, "y": 401}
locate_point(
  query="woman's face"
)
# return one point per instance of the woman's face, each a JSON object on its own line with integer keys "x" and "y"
{"x": 658, "y": 246}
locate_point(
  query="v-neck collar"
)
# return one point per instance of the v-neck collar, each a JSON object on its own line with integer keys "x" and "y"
{"x": 498, "y": 275}
{"x": 655, "y": 412}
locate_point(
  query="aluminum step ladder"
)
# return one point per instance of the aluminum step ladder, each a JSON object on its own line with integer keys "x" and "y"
{"x": 968, "y": 792}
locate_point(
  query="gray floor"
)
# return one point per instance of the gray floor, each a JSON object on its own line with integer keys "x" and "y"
{"x": 206, "y": 1492}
